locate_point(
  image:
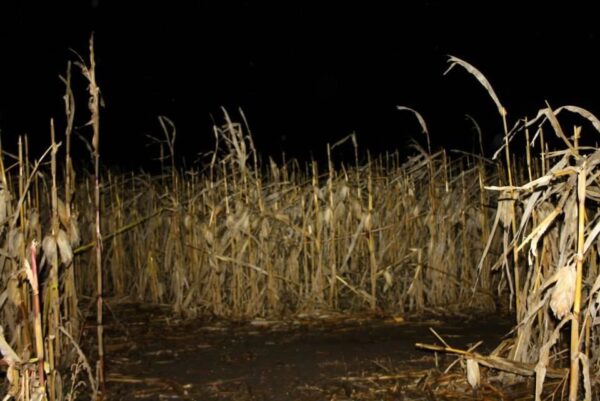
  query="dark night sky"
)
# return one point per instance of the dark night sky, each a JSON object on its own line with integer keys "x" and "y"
{"x": 304, "y": 73}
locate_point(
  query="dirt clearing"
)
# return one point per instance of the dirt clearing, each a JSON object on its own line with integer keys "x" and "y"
{"x": 152, "y": 356}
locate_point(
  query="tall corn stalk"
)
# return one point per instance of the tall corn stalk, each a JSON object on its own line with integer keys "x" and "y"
{"x": 89, "y": 72}
{"x": 559, "y": 229}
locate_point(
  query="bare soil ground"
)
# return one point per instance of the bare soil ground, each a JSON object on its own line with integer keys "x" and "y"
{"x": 151, "y": 356}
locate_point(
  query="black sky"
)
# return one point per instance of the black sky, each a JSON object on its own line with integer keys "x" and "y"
{"x": 304, "y": 73}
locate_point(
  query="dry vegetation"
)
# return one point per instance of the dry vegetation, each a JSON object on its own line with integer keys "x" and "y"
{"x": 243, "y": 238}
{"x": 240, "y": 240}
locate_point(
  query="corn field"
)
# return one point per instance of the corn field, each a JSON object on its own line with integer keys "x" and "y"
{"x": 243, "y": 237}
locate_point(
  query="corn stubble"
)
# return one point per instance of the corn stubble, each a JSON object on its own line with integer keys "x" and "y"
{"x": 241, "y": 238}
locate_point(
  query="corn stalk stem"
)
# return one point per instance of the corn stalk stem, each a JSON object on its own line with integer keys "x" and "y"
{"x": 39, "y": 337}
{"x": 574, "y": 373}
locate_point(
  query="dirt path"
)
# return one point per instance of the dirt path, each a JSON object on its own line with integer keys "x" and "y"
{"x": 153, "y": 357}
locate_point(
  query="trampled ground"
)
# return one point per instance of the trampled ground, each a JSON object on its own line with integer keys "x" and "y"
{"x": 329, "y": 357}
